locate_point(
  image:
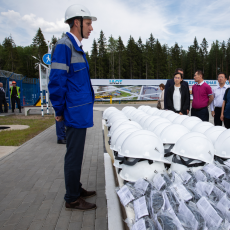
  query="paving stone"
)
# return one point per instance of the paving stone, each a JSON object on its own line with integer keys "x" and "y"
{"x": 75, "y": 226}
{"x": 101, "y": 224}
{"x": 9, "y": 227}
{"x": 49, "y": 227}
{"x": 14, "y": 219}
{"x": 36, "y": 225}
{"x": 77, "y": 216}
{"x": 63, "y": 223}
{"x": 101, "y": 212}
{"x": 88, "y": 220}
{"x": 6, "y": 214}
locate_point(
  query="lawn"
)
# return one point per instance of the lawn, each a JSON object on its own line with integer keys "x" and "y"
{"x": 37, "y": 124}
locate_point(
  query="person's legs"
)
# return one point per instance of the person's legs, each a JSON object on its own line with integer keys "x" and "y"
{"x": 227, "y": 123}
{"x": 18, "y": 103}
{"x": 73, "y": 162}
{"x": 13, "y": 103}
{"x": 217, "y": 121}
{"x": 202, "y": 114}
{"x": 1, "y": 102}
{"x": 60, "y": 130}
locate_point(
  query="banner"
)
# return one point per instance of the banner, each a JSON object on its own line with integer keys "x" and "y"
{"x": 135, "y": 89}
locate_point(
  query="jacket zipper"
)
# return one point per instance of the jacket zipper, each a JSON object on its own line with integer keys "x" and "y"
{"x": 80, "y": 69}
{"x": 79, "y": 105}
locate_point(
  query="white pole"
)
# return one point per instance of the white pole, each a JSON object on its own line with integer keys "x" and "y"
{"x": 40, "y": 75}
{"x": 47, "y": 97}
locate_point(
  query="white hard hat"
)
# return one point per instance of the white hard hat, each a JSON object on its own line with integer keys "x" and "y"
{"x": 214, "y": 132}
{"x": 141, "y": 119}
{"x": 172, "y": 133}
{"x": 166, "y": 113}
{"x": 159, "y": 128}
{"x": 138, "y": 115}
{"x": 195, "y": 145}
{"x": 190, "y": 122}
{"x": 78, "y": 11}
{"x": 172, "y": 117}
{"x": 180, "y": 119}
{"x": 222, "y": 144}
{"x": 158, "y": 112}
{"x": 141, "y": 170}
{"x": 115, "y": 119}
{"x": 143, "y": 144}
{"x": 152, "y": 111}
{"x": 149, "y": 120}
{"x": 117, "y": 163}
{"x": 121, "y": 138}
{"x": 146, "y": 108}
{"x": 156, "y": 122}
{"x": 127, "y": 108}
{"x": 202, "y": 127}
{"x": 108, "y": 111}
{"x": 117, "y": 133}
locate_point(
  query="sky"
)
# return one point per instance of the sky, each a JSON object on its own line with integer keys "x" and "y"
{"x": 169, "y": 21}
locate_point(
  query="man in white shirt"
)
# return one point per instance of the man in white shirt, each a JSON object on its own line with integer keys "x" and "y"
{"x": 218, "y": 93}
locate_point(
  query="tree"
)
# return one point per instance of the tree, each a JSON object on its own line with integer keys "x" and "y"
{"x": 94, "y": 58}
{"x": 204, "y": 54}
{"x": 112, "y": 46}
{"x": 39, "y": 44}
{"x": 121, "y": 56}
{"x": 10, "y": 55}
{"x": 102, "y": 56}
{"x": 53, "y": 40}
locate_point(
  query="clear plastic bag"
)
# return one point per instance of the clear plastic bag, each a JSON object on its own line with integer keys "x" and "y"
{"x": 155, "y": 202}
{"x": 166, "y": 221}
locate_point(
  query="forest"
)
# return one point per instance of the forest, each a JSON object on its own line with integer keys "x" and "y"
{"x": 110, "y": 58}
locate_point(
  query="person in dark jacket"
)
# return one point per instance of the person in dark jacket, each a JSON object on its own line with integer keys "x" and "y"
{"x": 178, "y": 97}
{"x": 171, "y": 82}
{"x": 3, "y": 99}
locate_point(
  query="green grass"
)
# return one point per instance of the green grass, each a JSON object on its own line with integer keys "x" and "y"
{"x": 17, "y": 137}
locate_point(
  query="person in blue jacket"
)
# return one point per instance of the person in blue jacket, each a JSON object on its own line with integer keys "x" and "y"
{"x": 72, "y": 97}
{"x": 171, "y": 82}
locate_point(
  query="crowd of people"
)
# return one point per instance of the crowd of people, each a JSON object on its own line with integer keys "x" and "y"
{"x": 175, "y": 96}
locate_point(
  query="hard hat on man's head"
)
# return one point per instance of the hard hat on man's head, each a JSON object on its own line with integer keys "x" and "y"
{"x": 80, "y": 11}
{"x": 13, "y": 82}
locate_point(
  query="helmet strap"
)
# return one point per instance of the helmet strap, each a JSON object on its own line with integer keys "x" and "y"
{"x": 82, "y": 27}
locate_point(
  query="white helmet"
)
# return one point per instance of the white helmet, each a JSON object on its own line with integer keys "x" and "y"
{"x": 190, "y": 122}
{"x": 118, "y": 132}
{"x": 141, "y": 170}
{"x": 159, "y": 128}
{"x": 222, "y": 144}
{"x": 214, "y": 132}
{"x": 202, "y": 127}
{"x": 166, "y": 113}
{"x": 195, "y": 145}
{"x": 143, "y": 144}
{"x": 149, "y": 120}
{"x": 117, "y": 163}
{"x": 80, "y": 11}
{"x": 158, "y": 112}
{"x": 142, "y": 119}
{"x": 108, "y": 111}
{"x": 119, "y": 124}
{"x": 152, "y": 111}
{"x": 156, "y": 122}
{"x": 128, "y": 108}
{"x": 172, "y": 133}
{"x": 146, "y": 108}
{"x": 180, "y": 119}
{"x": 137, "y": 114}
{"x": 172, "y": 117}
{"x": 119, "y": 141}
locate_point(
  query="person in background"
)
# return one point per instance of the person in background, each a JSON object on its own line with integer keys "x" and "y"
{"x": 162, "y": 88}
{"x": 3, "y": 99}
{"x": 218, "y": 94}
{"x": 15, "y": 96}
{"x": 202, "y": 97}
{"x": 171, "y": 82}
{"x": 225, "y": 111}
{"x": 178, "y": 97}
{"x": 60, "y": 131}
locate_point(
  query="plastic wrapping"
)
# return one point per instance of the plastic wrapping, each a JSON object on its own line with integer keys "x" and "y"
{"x": 155, "y": 202}
{"x": 166, "y": 221}
{"x": 193, "y": 192}
{"x": 204, "y": 188}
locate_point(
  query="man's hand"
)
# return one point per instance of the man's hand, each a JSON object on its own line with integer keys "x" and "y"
{"x": 180, "y": 113}
{"x": 59, "y": 118}
{"x": 222, "y": 117}
{"x": 213, "y": 113}
{"x": 187, "y": 111}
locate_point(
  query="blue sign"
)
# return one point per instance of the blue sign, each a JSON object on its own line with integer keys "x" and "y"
{"x": 47, "y": 59}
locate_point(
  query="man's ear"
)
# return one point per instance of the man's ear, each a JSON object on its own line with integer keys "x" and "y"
{"x": 76, "y": 22}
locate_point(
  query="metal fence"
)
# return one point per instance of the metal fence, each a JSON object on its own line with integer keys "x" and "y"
{"x": 30, "y": 87}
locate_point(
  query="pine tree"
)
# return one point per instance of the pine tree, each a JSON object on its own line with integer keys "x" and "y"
{"x": 39, "y": 44}
{"x": 53, "y": 40}
{"x": 121, "y": 56}
{"x": 140, "y": 59}
{"x": 204, "y": 54}
{"x": 102, "y": 56}
{"x": 10, "y": 55}
{"x": 112, "y": 46}
{"x": 94, "y": 58}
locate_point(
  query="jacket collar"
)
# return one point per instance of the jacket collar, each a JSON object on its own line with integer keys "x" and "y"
{"x": 74, "y": 43}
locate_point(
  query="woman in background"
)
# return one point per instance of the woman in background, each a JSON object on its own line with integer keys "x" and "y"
{"x": 178, "y": 97}
{"x": 162, "y": 88}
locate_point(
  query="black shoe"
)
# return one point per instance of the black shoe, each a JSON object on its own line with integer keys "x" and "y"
{"x": 61, "y": 141}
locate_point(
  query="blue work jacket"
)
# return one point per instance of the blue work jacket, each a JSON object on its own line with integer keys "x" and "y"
{"x": 70, "y": 88}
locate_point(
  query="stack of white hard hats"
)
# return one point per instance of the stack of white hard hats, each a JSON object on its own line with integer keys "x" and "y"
{"x": 142, "y": 138}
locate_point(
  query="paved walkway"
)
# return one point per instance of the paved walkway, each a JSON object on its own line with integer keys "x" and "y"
{"x": 32, "y": 184}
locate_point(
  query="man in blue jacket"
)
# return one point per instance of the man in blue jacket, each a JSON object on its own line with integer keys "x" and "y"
{"x": 170, "y": 82}
{"x": 72, "y": 97}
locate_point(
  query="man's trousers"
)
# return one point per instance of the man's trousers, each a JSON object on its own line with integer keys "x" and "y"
{"x": 60, "y": 130}
{"x": 13, "y": 100}
{"x": 73, "y": 161}
{"x": 203, "y": 113}
{"x": 217, "y": 121}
